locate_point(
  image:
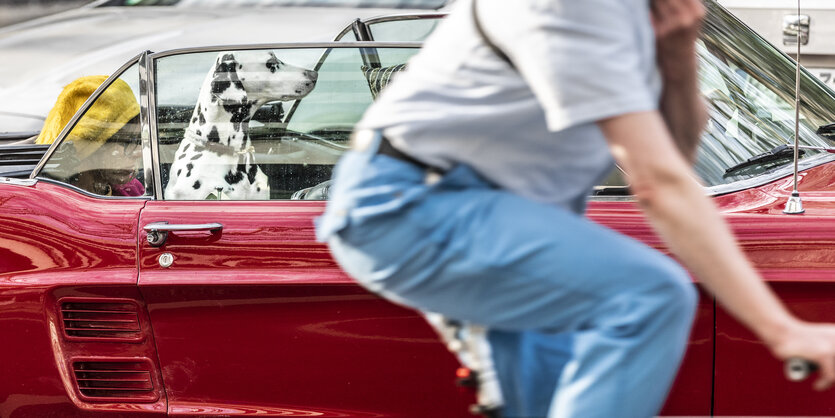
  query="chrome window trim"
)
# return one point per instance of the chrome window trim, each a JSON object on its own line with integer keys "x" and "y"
{"x": 87, "y": 193}
{"x": 291, "y": 45}
{"x": 149, "y": 99}
{"x": 353, "y": 26}
{"x": 18, "y": 182}
{"x": 347, "y": 29}
{"x": 404, "y": 16}
{"x": 82, "y": 110}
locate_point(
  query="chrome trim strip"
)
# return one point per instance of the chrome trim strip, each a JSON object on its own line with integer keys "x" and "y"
{"x": 145, "y": 123}
{"x": 404, "y": 16}
{"x": 165, "y": 226}
{"x": 93, "y": 195}
{"x": 291, "y": 45}
{"x": 81, "y": 112}
{"x": 151, "y": 101}
{"x": 345, "y": 31}
{"x": 18, "y": 182}
{"x": 386, "y": 18}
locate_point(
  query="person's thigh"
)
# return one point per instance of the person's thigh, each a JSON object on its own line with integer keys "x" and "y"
{"x": 496, "y": 259}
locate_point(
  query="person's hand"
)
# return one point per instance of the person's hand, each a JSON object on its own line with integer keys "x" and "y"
{"x": 809, "y": 341}
{"x": 677, "y": 24}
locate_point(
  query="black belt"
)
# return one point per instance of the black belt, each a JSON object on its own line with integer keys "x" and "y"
{"x": 387, "y": 149}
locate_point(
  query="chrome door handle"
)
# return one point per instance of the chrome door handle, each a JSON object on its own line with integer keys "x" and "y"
{"x": 158, "y": 231}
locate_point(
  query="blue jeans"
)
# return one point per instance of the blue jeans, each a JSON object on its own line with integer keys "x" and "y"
{"x": 585, "y": 322}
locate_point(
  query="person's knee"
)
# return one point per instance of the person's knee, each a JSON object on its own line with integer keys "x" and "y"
{"x": 672, "y": 290}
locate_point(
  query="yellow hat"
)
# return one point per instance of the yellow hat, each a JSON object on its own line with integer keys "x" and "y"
{"x": 111, "y": 111}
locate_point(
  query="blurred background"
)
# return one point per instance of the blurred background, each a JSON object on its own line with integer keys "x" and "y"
{"x": 13, "y": 11}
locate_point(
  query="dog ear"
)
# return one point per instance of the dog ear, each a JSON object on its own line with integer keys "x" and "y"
{"x": 226, "y": 85}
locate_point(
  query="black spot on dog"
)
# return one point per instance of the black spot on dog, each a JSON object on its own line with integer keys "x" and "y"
{"x": 213, "y": 135}
{"x": 225, "y": 76}
{"x": 194, "y": 119}
{"x": 196, "y": 185}
{"x": 234, "y": 177}
{"x": 199, "y": 133}
{"x": 179, "y": 171}
{"x": 200, "y": 115}
{"x": 181, "y": 156}
{"x": 240, "y": 113}
{"x": 253, "y": 170}
{"x": 258, "y": 189}
{"x": 185, "y": 148}
{"x": 219, "y": 86}
{"x": 196, "y": 156}
{"x": 189, "y": 166}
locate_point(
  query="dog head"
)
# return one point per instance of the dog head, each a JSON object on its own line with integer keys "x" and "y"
{"x": 258, "y": 76}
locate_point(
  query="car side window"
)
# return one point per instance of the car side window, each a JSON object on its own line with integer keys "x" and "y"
{"x": 102, "y": 153}
{"x": 258, "y": 124}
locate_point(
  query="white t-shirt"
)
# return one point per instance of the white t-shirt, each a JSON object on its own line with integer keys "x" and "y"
{"x": 532, "y": 129}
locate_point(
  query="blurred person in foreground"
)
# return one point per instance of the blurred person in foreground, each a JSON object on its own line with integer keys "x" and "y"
{"x": 465, "y": 189}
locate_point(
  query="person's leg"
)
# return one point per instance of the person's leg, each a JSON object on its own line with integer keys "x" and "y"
{"x": 528, "y": 364}
{"x": 483, "y": 255}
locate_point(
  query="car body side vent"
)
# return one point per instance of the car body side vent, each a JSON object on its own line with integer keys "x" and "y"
{"x": 101, "y": 320}
{"x": 115, "y": 381}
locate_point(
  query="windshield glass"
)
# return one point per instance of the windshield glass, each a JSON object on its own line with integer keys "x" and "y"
{"x": 397, "y": 4}
{"x": 749, "y": 86}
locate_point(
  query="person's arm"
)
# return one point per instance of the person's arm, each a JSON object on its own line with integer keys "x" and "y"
{"x": 687, "y": 221}
{"x": 677, "y": 24}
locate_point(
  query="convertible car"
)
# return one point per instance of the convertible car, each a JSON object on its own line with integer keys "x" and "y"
{"x": 135, "y": 281}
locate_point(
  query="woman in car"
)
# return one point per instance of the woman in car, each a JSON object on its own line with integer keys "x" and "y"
{"x": 106, "y": 141}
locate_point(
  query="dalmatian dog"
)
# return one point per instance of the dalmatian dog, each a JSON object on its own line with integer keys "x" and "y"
{"x": 215, "y": 157}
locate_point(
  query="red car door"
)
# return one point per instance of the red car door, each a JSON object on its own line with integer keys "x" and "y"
{"x": 257, "y": 317}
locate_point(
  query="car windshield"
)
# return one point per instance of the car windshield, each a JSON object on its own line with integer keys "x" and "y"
{"x": 399, "y": 4}
{"x": 749, "y": 86}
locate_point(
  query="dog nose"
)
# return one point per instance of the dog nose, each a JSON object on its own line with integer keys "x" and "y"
{"x": 312, "y": 75}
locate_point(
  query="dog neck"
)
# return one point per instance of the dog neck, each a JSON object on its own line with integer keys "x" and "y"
{"x": 221, "y": 124}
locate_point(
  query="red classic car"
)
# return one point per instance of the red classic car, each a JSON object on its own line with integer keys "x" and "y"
{"x": 163, "y": 262}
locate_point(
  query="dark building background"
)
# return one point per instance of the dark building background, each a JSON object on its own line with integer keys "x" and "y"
{"x": 14, "y": 11}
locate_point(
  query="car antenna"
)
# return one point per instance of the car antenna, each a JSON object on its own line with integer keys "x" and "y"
{"x": 794, "y": 206}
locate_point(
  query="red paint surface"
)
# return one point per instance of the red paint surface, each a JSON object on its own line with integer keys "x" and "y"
{"x": 259, "y": 320}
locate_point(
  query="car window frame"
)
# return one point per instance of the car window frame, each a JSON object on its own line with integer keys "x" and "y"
{"x": 148, "y": 95}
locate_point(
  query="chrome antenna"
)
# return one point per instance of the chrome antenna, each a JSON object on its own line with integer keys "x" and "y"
{"x": 794, "y": 205}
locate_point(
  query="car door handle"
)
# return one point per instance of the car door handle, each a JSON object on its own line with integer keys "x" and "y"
{"x": 158, "y": 231}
